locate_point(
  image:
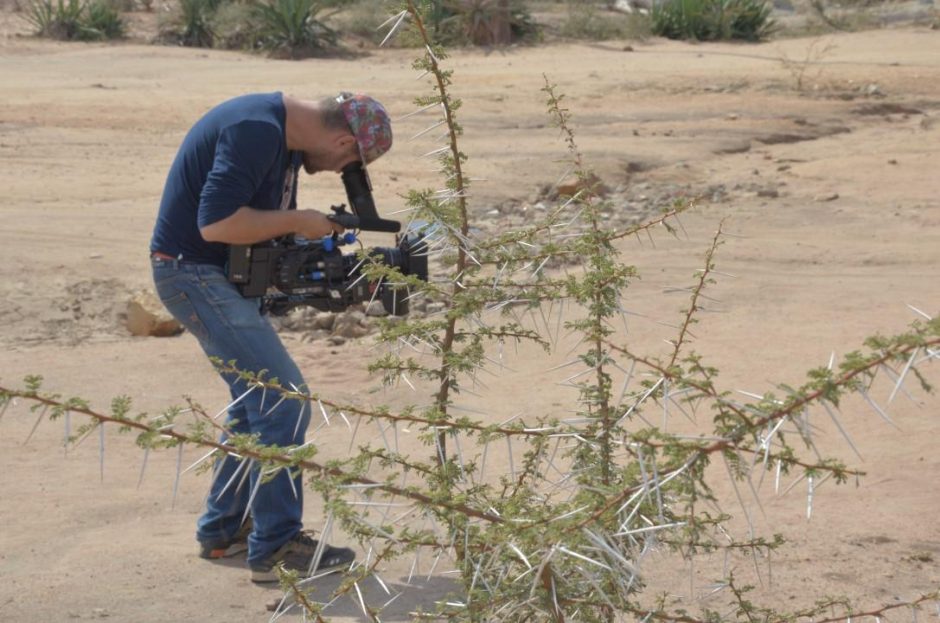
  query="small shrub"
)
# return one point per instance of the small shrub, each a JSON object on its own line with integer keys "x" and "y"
{"x": 291, "y": 27}
{"x": 102, "y": 21}
{"x": 196, "y": 23}
{"x": 710, "y": 20}
{"x": 61, "y": 20}
{"x": 73, "y": 20}
{"x": 483, "y": 22}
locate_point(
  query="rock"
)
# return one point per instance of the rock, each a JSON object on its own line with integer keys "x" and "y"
{"x": 336, "y": 340}
{"x": 147, "y": 316}
{"x": 351, "y": 324}
{"x": 827, "y": 197}
{"x": 768, "y": 192}
{"x": 316, "y": 334}
{"x": 375, "y": 309}
{"x": 324, "y": 321}
{"x": 436, "y": 307}
{"x": 573, "y": 184}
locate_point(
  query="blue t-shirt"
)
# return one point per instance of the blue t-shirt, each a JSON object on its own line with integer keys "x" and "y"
{"x": 235, "y": 156}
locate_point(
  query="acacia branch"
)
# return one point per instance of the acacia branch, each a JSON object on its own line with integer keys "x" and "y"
{"x": 263, "y": 457}
{"x": 696, "y": 293}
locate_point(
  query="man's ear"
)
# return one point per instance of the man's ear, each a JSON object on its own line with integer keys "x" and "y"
{"x": 345, "y": 141}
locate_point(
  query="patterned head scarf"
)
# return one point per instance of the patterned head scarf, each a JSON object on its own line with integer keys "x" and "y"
{"x": 369, "y": 123}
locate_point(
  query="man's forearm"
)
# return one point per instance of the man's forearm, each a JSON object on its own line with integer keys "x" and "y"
{"x": 248, "y": 225}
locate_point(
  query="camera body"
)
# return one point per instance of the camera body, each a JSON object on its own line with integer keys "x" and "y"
{"x": 291, "y": 272}
{"x": 294, "y": 273}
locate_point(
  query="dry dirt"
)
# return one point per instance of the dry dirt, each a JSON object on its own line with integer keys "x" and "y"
{"x": 830, "y": 194}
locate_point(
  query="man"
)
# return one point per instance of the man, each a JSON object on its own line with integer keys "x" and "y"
{"x": 233, "y": 182}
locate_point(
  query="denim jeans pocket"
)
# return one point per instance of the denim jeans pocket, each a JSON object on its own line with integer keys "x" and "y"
{"x": 182, "y": 309}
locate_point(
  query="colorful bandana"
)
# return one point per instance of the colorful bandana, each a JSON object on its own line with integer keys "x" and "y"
{"x": 369, "y": 123}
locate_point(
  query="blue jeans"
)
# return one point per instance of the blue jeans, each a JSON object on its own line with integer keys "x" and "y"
{"x": 231, "y": 327}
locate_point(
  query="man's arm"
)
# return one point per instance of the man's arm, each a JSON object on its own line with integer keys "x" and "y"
{"x": 248, "y": 226}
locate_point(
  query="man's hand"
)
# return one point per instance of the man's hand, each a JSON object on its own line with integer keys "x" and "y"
{"x": 248, "y": 226}
{"x": 316, "y": 224}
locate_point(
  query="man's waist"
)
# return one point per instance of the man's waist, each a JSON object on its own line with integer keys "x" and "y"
{"x": 181, "y": 258}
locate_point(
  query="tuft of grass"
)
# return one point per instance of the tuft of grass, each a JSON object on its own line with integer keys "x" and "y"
{"x": 712, "y": 20}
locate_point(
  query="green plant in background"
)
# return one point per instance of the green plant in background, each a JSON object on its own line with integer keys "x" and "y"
{"x": 102, "y": 21}
{"x": 75, "y": 20}
{"x": 293, "y": 28}
{"x": 59, "y": 20}
{"x": 194, "y": 23}
{"x": 710, "y": 20}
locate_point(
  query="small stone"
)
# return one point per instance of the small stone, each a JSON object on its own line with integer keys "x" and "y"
{"x": 573, "y": 184}
{"x": 324, "y": 321}
{"x": 351, "y": 324}
{"x": 784, "y": 167}
{"x": 336, "y": 340}
{"x": 892, "y": 161}
{"x": 376, "y": 309}
{"x": 732, "y": 116}
{"x": 826, "y": 197}
{"x": 95, "y": 256}
{"x": 436, "y": 307}
{"x": 146, "y": 316}
{"x": 313, "y": 336}
{"x": 628, "y": 48}
{"x": 768, "y": 192}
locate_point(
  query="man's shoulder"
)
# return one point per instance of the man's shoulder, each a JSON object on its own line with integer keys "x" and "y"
{"x": 260, "y": 107}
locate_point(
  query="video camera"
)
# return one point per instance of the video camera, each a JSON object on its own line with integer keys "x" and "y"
{"x": 291, "y": 272}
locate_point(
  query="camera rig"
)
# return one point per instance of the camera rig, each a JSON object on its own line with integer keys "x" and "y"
{"x": 291, "y": 272}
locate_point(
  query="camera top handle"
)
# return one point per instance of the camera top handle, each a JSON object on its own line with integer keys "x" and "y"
{"x": 359, "y": 195}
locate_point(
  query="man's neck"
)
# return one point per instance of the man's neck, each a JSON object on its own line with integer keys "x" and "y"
{"x": 302, "y": 122}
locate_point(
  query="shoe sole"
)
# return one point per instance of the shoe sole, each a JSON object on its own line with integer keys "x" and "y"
{"x": 259, "y": 576}
{"x": 224, "y": 552}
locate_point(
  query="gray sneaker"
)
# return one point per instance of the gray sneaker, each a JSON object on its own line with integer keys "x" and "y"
{"x": 225, "y": 548}
{"x": 297, "y": 555}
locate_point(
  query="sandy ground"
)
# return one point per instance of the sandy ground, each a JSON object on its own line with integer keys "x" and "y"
{"x": 831, "y": 195}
